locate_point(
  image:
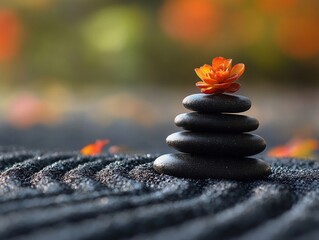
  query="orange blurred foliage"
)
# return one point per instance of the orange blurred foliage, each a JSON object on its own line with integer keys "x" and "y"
{"x": 94, "y": 148}
{"x": 191, "y": 21}
{"x": 298, "y": 35}
{"x": 35, "y": 4}
{"x": 296, "y": 30}
{"x": 275, "y": 7}
{"x": 246, "y": 28}
{"x": 297, "y": 147}
{"x": 10, "y": 35}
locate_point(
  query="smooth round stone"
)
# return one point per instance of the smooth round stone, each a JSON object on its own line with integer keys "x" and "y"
{"x": 217, "y": 144}
{"x": 199, "y": 167}
{"x": 217, "y": 103}
{"x": 216, "y": 122}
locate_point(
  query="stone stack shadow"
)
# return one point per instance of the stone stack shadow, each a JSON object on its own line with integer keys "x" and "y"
{"x": 215, "y": 143}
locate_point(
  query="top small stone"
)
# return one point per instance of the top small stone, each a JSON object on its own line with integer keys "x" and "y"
{"x": 217, "y": 103}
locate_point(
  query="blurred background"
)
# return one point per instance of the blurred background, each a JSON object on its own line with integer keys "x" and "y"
{"x": 75, "y": 71}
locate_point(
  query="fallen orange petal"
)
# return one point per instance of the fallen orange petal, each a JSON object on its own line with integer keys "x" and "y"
{"x": 94, "y": 148}
{"x": 280, "y": 151}
{"x": 295, "y": 148}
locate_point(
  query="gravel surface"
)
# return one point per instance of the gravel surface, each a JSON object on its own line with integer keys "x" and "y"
{"x": 64, "y": 195}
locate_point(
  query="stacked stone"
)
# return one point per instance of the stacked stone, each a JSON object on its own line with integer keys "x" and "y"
{"x": 215, "y": 142}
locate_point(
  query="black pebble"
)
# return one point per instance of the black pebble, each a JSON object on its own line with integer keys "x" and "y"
{"x": 223, "y": 123}
{"x": 217, "y": 103}
{"x": 200, "y": 167}
{"x": 217, "y": 144}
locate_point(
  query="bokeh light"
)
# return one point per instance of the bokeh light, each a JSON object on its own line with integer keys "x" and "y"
{"x": 297, "y": 34}
{"x": 274, "y": 7}
{"x": 10, "y": 35}
{"x": 114, "y": 29}
{"x": 26, "y": 110}
{"x": 190, "y": 21}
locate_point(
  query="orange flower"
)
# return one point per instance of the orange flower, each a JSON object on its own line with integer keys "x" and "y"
{"x": 220, "y": 77}
{"x": 94, "y": 148}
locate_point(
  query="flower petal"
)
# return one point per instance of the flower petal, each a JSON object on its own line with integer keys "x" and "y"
{"x": 212, "y": 90}
{"x": 208, "y": 90}
{"x": 231, "y": 78}
{"x": 222, "y": 75}
{"x": 238, "y": 69}
{"x": 228, "y": 64}
{"x": 199, "y": 73}
{"x": 222, "y": 85}
{"x": 206, "y": 68}
{"x": 217, "y": 61}
{"x": 210, "y": 81}
{"x": 234, "y": 87}
{"x": 202, "y": 85}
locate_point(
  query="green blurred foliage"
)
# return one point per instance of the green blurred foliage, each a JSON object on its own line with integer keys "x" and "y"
{"x": 92, "y": 43}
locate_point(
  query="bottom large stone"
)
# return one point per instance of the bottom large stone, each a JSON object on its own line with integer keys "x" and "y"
{"x": 199, "y": 167}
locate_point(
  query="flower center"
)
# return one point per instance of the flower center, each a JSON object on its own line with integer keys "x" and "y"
{"x": 221, "y": 74}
